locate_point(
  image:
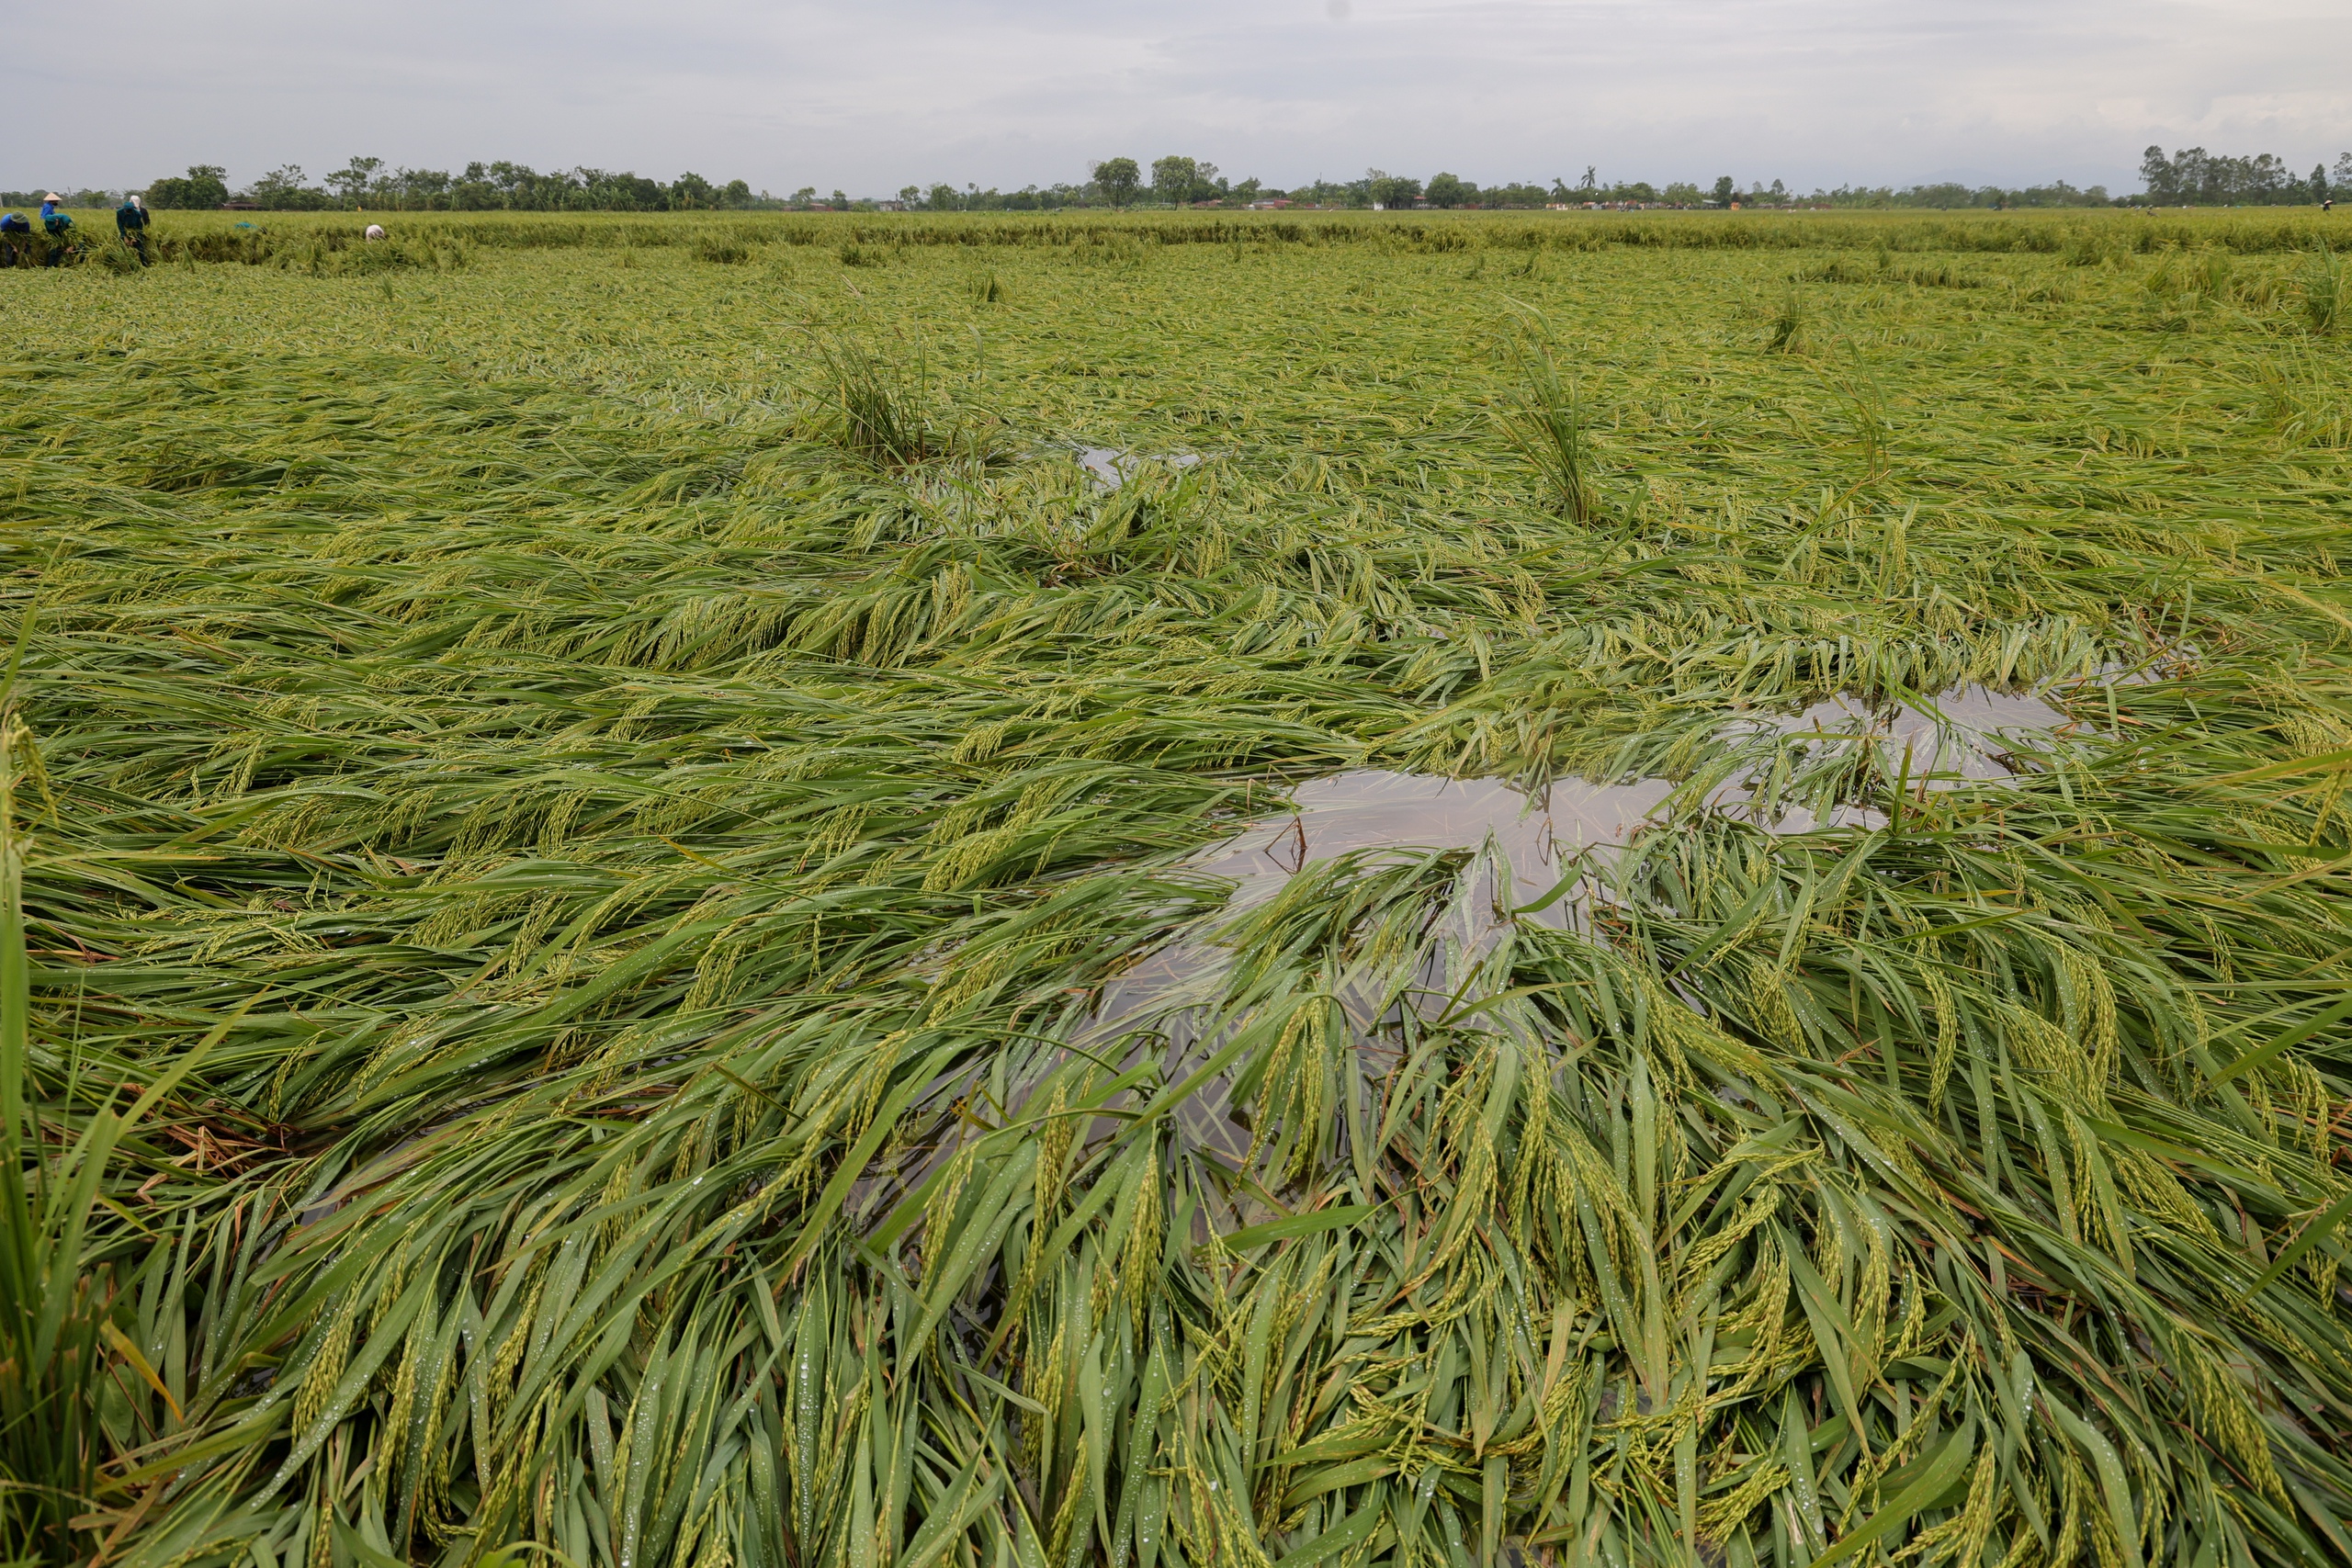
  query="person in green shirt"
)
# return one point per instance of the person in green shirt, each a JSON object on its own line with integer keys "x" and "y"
{"x": 130, "y": 221}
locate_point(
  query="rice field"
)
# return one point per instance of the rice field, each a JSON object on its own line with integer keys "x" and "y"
{"x": 1095, "y": 893}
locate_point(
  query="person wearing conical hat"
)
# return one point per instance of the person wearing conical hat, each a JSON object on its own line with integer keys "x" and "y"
{"x": 57, "y": 222}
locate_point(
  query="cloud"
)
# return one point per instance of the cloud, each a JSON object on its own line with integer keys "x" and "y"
{"x": 870, "y": 96}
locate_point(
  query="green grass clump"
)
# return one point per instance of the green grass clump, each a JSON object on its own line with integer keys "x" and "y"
{"x": 569, "y": 825}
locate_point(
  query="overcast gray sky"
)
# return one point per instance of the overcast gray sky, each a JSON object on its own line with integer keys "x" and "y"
{"x": 871, "y": 97}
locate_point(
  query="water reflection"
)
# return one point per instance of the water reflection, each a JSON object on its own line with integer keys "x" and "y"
{"x": 1953, "y": 737}
{"x": 1372, "y": 808}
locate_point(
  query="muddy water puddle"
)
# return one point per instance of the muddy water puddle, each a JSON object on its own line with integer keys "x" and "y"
{"x": 1538, "y": 836}
{"x": 1115, "y": 466}
{"x": 1169, "y": 1003}
{"x": 1569, "y": 832}
{"x": 1372, "y": 808}
{"x": 1959, "y": 738}
{"x": 1955, "y": 737}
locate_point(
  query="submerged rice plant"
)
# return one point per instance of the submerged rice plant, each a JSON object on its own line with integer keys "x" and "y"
{"x": 584, "y": 976}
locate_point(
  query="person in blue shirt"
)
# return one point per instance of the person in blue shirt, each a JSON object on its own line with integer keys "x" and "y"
{"x": 59, "y": 224}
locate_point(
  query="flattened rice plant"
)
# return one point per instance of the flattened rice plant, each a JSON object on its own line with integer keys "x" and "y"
{"x": 597, "y": 982}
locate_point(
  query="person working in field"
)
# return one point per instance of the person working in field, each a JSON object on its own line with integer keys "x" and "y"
{"x": 58, "y": 224}
{"x": 130, "y": 221}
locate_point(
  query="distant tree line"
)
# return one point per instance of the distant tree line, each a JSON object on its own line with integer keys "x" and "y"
{"x": 2194, "y": 177}
{"x": 370, "y": 183}
{"x": 2189, "y": 178}
{"x": 1179, "y": 182}
{"x": 11, "y": 198}
{"x": 1949, "y": 195}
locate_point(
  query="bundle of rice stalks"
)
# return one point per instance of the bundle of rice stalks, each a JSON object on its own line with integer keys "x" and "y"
{"x": 1546, "y": 424}
{"x": 1787, "y": 334}
{"x": 721, "y": 252}
{"x": 118, "y": 258}
{"x": 342, "y": 256}
{"x": 892, "y": 410}
{"x": 2322, "y": 290}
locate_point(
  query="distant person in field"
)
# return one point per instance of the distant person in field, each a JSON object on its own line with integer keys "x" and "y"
{"x": 375, "y": 230}
{"x": 130, "y": 221}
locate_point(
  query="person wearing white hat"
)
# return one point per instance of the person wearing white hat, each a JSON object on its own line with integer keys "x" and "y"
{"x": 375, "y": 231}
{"x": 130, "y": 221}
